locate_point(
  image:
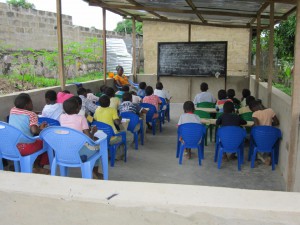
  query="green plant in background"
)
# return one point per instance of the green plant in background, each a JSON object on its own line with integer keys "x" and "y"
{"x": 21, "y": 3}
{"x": 126, "y": 27}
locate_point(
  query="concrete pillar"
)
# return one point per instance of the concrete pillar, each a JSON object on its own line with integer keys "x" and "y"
{"x": 294, "y": 132}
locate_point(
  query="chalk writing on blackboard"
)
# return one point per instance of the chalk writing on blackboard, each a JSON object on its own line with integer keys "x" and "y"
{"x": 192, "y": 59}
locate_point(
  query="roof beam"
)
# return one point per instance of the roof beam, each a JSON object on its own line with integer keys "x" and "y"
{"x": 197, "y": 23}
{"x": 292, "y": 2}
{"x": 191, "y": 4}
{"x": 150, "y": 11}
{"x": 218, "y": 13}
{"x": 262, "y": 8}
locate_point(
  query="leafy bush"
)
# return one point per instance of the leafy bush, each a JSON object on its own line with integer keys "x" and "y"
{"x": 21, "y": 3}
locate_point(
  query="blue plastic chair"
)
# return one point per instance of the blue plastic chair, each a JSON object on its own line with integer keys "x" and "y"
{"x": 135, "y": 85}
{"x": 108, "y": 130}
{"x": 166, "y": 111}
{"x": 230, "y": 139}
{"x": 50, "y": 122}
{"x": 134, "y": 120}
{"x": 66, "y": 143}
{"x": 264, "y": 139}
{"x": 149, "y": 116}
{"x": 9, "y": 138}
{"x": 193, "y": 135}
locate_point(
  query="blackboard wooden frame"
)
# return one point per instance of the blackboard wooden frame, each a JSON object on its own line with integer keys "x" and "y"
{"x": 221, "y": 63}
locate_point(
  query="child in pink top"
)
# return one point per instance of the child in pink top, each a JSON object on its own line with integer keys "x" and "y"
{"x": 77, "y": 122}
{"x": 63, "y": 96}
{"x": 150, "y": 98}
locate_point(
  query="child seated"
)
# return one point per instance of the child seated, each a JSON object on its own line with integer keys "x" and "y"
{"x": 204, "y": 95}
{"x": 229, "y": 118}
{"x": 52, "y": 109}
{"x": 87, "y": 104}
{"x": 114, "y": 101}
{"x": 161, "y": 93}
{"x": 188, "y": 117}
{"x": 90, "y": 96}
{"x": 230, "y": 95}
{"x": 101, "y": 90}
{"x": 107, "y": 114}
{"x": 22, "y": 117}
{"x": 262, "y": 116}
{"x": 222, "y": 96}
{"x": 246, "y": 108}
{"x": 128, "y": 106}
{"x": 77, "y": 122}
{"x": 153, "y": 100}
{"x": 245, "y": 94}
{"x": 141, "y": 90}
{"x": 63, "y": 95}
{"x": 135, "y": 99}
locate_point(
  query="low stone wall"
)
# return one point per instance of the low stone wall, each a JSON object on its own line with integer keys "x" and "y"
{"x": 38, "y": 96}
{"x": 281, "y": 104}
{"x": 186, "y": 88}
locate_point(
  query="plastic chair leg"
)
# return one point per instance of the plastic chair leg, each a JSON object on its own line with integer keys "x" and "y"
{"x": 112, "y": 151}
{"x": 239, "y": 159}
{"x": 199, "y": 155}
{"x": 253, "y": 158}
{"x": 1, "y": 164}
{"x": 86, "y": 170}
{"x": 181, "y": 153}
{"x": 63, "y": 171}
{"x": 216, "y": 152}
{"x": 220, "y": 158}
{"x": 17, "y": 166}
{"x": 26, "y": 163}
{"x": 273, "y": 159}
{"x": 136, "y": 140}
{"x": 53, "y": 167}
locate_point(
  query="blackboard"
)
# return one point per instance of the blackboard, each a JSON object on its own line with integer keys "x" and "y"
{"x": 192, "y": 59}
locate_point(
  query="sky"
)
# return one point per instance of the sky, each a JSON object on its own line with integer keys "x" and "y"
{"x": 81, "y": 12}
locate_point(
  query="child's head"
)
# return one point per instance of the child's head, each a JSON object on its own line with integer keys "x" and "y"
{"x": 142, "y": 85}
{"x": 255, "y": 105}
{"x": 222, "y": 94}
{"x": 246, "y": 93}
{"x": 66, "y": 91}
{"x": 104, "y": 101}
{"x": 71, "y": 106}
{"x": 89, "y": 91}
{"x": 132, "y": 92}
{"x": 204, "y": 87}
{"x": 127, "y": 97}
{"x": 79, "y": 100}
{"x": 159, "y": 86}
{"x": 120, "y": 70}
{"x": 125, "y": 88}
{"x": 103, "y": 88}
{"x": 23, "y": 101}
{"x": 188, "y": 107}
{"x": 50, "y": 97}
{"x": 249, "y": 99}
{"x": 82, "y": 91}
{"x": 149, "y": 90}
{"x": 110, "y": 92}
{"x": 228, "y": 107}
{"x": 230, "y": 93}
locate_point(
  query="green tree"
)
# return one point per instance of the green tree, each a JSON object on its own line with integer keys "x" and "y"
{"x": 126, "y": 27}
{"x": 21, "y": 3}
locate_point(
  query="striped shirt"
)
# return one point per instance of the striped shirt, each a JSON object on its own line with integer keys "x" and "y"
{"x": 33, "y": 118}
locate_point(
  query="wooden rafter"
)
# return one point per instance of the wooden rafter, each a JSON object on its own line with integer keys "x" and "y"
{"x": 262, "y": 8}
{"x": 149, "y": 11}
{"x": 194, "y": 9}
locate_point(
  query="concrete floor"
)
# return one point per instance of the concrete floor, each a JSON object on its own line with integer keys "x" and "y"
{"x": 156, "y": 162}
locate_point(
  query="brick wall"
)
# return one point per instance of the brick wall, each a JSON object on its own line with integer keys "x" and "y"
{"x": 30, "y": 28}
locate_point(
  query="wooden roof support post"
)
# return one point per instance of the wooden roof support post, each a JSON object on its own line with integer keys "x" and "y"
{"x": 134, "y": 51}
{"x": 271, "y": 52}
{"x": 295, "y": 108}
{"x": 249, "y": 53}
{"x": 104, "y": 44}
{"x": 61, "y": 73}
{"x": 258, "y": 53}
{"x": 190, "y": 32}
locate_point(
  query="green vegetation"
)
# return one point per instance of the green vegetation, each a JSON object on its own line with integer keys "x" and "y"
{"x": 21, "y": 3}
{"x": 284, "y": 38}
{"x": 126, "y": 27}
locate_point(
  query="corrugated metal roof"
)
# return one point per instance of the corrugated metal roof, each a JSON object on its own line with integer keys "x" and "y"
{"x": 227, "y": 13}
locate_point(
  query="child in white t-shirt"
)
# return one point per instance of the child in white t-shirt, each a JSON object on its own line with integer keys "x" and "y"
{"x": 52, "y": 109}
{"x": 188, "y": 117}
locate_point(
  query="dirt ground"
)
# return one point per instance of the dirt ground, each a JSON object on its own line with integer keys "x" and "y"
{"x": 9, "y": 86}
